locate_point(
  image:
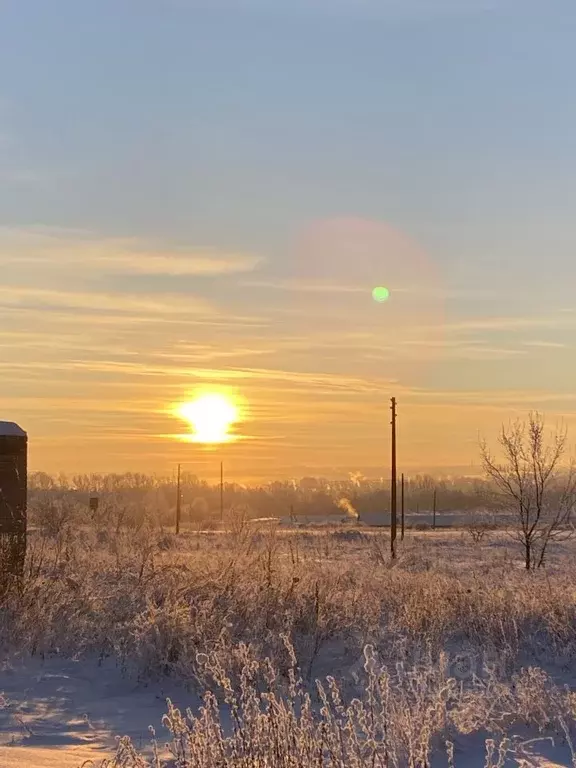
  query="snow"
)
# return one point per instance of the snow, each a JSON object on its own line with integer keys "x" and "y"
{"x": 62, "y": 713}
{"x": 9, "y": 429}
{"x": 470, "y": 752}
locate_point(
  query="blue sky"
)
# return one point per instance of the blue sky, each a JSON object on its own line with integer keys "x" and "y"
{"x": 133, "y": 134}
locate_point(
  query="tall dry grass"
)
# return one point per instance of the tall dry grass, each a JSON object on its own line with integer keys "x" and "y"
{"x": 152, "y": 601}
{"x": 402, "y": 718}
{"x": 452, "y": 639}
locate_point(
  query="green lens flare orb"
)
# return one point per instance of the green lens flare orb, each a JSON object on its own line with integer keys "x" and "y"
{"x": 380, "y": 294}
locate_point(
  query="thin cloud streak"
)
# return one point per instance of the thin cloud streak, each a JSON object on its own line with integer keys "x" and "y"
{"x": 545, "y": 344}
{"x": 90, "y": 302}
{"x": 302, "y": 286}
{"x": 63, "y": 307}
{"x": 84, "y": 252}
{"x": 423, "y": 291}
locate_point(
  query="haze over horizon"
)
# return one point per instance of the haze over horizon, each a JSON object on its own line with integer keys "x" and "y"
{"x": 202, "y": 197}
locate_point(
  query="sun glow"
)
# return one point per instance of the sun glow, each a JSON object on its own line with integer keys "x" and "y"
{"x": 211, "y": 417}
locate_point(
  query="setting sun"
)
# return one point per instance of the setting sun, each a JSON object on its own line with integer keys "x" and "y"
{"x": 211, "y": 417}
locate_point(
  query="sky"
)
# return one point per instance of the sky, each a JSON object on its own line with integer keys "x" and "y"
{"x": 201, "y": 196}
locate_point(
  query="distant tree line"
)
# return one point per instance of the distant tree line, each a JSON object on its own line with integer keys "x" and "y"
{"x": 308, "y": 497}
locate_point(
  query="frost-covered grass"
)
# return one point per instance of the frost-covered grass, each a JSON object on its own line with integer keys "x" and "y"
{"x": 412, "y": 717}
{"x": 450, "y": 645}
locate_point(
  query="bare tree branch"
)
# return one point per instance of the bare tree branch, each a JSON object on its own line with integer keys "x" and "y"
{"x": 531, "y": 485}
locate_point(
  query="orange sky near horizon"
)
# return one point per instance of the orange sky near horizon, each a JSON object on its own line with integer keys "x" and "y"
{"x": 100, "y": 341}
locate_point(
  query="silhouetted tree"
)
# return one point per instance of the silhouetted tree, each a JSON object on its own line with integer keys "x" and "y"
{"x": 531, "y": 484}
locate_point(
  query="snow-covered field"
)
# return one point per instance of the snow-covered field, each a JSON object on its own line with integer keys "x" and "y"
{"x": 63, "y": 712}
{"x": 432, "y": 657}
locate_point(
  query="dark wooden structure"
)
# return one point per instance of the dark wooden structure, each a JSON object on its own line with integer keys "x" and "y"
{"x": 13, "y": 499}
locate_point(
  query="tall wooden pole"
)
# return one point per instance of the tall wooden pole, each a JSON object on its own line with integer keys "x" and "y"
{"x": 178, "y": 502}
{"x": 394, "y": 486}
{"x": 221, "y": 491}
{"x": 402, "y": 508}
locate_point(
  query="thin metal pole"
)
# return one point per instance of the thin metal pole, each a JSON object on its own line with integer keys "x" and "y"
{"x": 434, "y": 511}
{"x": 402, "y": 534}
{"x": 221, "y": 491}
{"x": 178, "y": 502}
{"x": 394, "y": 488}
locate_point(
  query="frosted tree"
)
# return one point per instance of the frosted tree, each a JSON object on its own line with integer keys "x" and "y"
{"x": 533, "y": 484}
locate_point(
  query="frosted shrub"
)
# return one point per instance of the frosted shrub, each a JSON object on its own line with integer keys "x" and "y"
{"x": 396, "y": 720}
{"x": 55, "y": 517}
{"x": 266, "y": 721}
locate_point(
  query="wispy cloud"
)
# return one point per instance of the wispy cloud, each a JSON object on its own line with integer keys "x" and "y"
{"x": 76, "y": 251}
{"x": 300, "y": 285}
{"x": 303, "y": 286}
{"x": 545, "y": 344}
{"x": 93, "y": 302}
{"x": 554, "y": 320}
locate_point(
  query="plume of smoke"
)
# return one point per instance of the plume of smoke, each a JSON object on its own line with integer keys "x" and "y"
{"x": 348, "y": 507}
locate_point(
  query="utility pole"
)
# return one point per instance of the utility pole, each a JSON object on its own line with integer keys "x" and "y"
{"x": 221, "y": 491}
{"x": 402, "y": 507}
{"x": 394, "y": 488}
{"x": 178, "y": 502}
{"x": 434, "y": 510}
